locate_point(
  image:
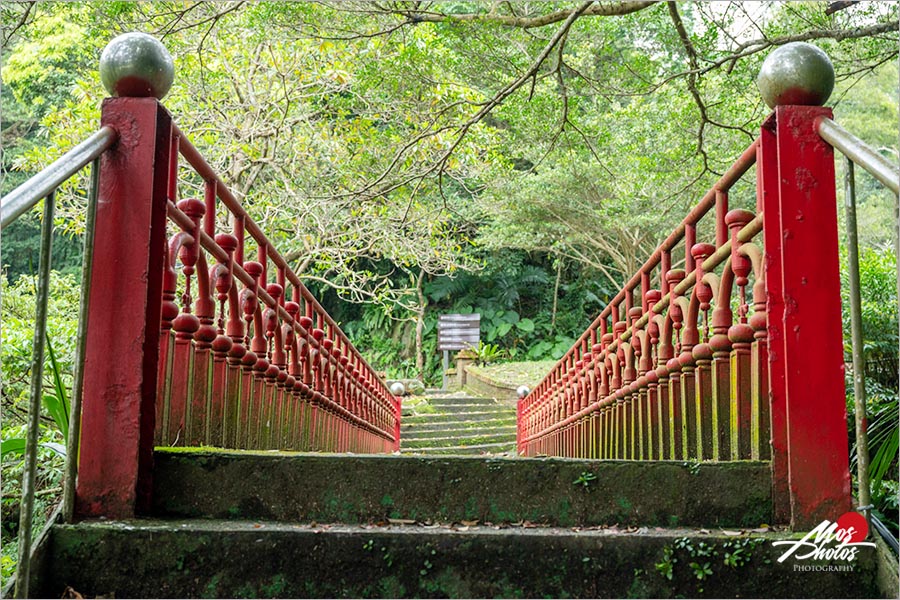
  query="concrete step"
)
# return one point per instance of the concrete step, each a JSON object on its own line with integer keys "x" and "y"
{"x": 439, "y": 419}
{"x": 407, "y": 428}
{"x": 500, "y": 448}
{"x": 463, "y": 409}
{"x": 252, "y": 559}
{"x": 451, "y": 441}
{"x": 411, "y": 434}
{"x": 444, "y": 401}
{"x": 469, "y": 407}
{"x": 361, "y": 489}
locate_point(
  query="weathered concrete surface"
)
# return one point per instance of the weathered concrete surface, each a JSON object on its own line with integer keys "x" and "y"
{"x": 362, "y": 489}
{"x": 479, "y": 384}
{"x": 418, "y": 433}
{"x": 153, "y": 559}
{"x": 467, "y": 417}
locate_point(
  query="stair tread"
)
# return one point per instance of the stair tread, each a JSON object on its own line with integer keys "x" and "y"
{"x": 213, "y": 558}
{"x": 445, "y": 483}
{"x": 468, "y": 432}
{"x": 418, "y": 434}
{"x": 505, "y": 435}
{"x": 509, "y": 445}
{"x": 405, "y": 527}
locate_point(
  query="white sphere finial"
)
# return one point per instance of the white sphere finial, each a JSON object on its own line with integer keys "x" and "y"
{"x": 398, "y": 389}
{"x": 522, "y": 391}
{"x": 796, "y": 73}
{"x": 137, "y": 65}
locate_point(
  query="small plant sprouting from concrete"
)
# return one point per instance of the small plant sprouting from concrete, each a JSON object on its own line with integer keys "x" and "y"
{"x": 387, "y": 557}
{"x": 739, "y": 552}
{"x": 666, "y": 568}
{"x": 701, "y": 572}
{"x": 701, "y": 557}
{"x": 369, "y": 545}
{"x": 693, "y": 466}
{"x": 585, "y": 479}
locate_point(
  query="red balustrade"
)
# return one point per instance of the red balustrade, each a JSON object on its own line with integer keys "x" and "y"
{"x": 737, "y": 353}
{"x": 192, "y": 343}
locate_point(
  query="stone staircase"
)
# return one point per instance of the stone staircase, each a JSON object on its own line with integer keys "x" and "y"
{"x": 457, "y": 423}
{"x": 266, "y": 525}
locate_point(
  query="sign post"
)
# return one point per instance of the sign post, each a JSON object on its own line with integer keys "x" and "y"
{"x": 457, "y": 332}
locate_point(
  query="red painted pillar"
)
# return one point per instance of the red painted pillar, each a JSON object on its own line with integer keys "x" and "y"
{"x": 813, "y": 361}
{"x": 398, "y": 410}
{"x": 767, "y": 202}
{"x": 116, "y": 458}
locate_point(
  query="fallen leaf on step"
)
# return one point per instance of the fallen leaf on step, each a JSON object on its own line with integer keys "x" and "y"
{"x": 470, "y": 523}
{"x": 704, "y": 531}
{"x": 730, "y": 532}
{"x": 402, "y": 521}
{"x": 70, "y": 593}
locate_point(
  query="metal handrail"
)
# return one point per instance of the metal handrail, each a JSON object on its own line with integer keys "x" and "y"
{"x": 27, "y": 195}
{"x": 860, "y": 153}
{"x": 857, "y": 152}
{"x": 43, "y": 186}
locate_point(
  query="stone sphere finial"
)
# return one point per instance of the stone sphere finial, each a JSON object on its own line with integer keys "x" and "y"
{"x": 138, "y": 65}
{"x": 398, "y": 389}
{"x": 522, "y": 391}
{"x": 796, "y": 73}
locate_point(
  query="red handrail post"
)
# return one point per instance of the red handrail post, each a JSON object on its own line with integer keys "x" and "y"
{"x": 807, "y": 370}
{"x": 122, "y": 348}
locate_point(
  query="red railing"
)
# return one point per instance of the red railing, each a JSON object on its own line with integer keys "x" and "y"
{"x": 670, "y": 373}
{"x": 189, "y": 343}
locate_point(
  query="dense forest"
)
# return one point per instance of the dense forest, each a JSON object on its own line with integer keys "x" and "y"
{"x": 516, "y": 159}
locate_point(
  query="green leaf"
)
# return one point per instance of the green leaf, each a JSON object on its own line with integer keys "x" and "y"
{"x": 60, "y": 409}
{"x": 57, "y": 412}
{"x": 12, "y": 446}
{"x": 511, "y": 317}
{"x": 503, "y": 329}
{"x": 525, "y": 325}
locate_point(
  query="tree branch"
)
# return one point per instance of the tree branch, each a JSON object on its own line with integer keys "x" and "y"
{"x": 599, "y": 9}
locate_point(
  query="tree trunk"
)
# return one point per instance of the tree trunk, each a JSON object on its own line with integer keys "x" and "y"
{"x": 420, "y": 325}
{"x": 559, "y": 266}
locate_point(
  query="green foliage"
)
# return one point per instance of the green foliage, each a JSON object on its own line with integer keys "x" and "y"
{"x": 585, "y": 479}
{"x": 15, "y": 354}
{"x": 878, "y": 290}
{"x": 486, "y": 353}
{"x": 56, "y": 405}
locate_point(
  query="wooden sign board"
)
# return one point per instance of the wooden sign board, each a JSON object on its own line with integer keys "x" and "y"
{"x": 458, "y": 332}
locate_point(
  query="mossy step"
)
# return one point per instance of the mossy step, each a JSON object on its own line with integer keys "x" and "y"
{"x": 364, "y": 488}
{"x": 252, "y": 559}
{"x": 423, "y": 434}
{"x": 460, "y": 420}
{"x": 468, "y": 407}
{"x": 472, "y": 439}
{"x": 474, "y": 415}
{"x": 453, "y": 426}
{"x": 461, "y": 400}
{"x": 457, "y": 449}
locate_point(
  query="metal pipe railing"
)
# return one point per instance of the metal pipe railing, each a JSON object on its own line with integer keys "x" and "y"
{"x": 87, "y": 261}
{"x": 856, "y": 336}
{"x": 860, "y": 153}
{"x": 23, "y": 574}
{"x": 44, "y": 186}
{"x": 27, "y": 195}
